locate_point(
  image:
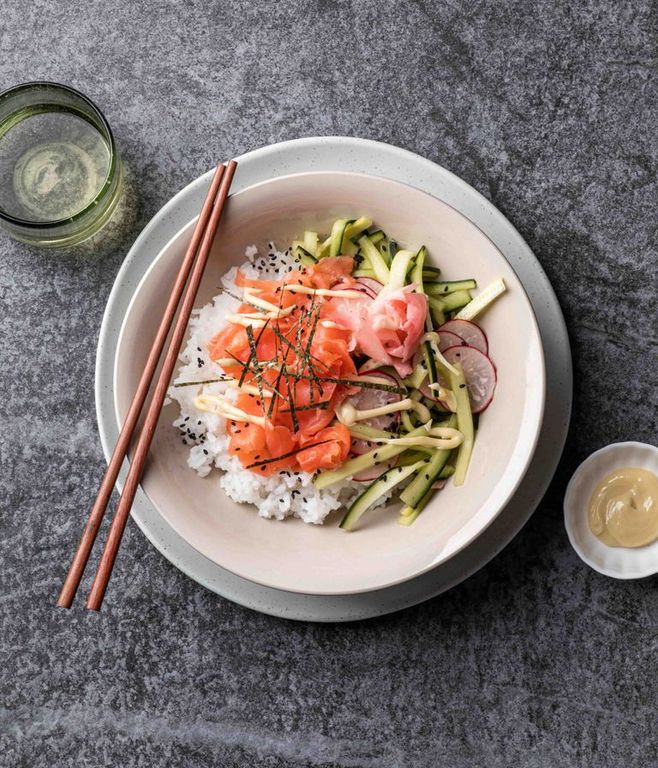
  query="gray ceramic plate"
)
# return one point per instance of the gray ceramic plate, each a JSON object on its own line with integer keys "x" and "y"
{"x": 377, "y": 159}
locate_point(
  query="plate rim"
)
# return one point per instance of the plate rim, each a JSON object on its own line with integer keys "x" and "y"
{"x": 506, "y": 238}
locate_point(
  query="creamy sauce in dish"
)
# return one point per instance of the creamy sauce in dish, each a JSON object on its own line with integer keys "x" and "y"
{"x": 623, "y": 509}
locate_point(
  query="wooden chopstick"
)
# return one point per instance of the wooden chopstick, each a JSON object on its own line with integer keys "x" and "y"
{"x": 90, "y": 532}
{"x": 120, "y": 519}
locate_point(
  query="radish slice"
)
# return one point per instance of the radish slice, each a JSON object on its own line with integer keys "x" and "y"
{"x": 479, "y": 372}
{"x": 368, "y": 398}
{"x": 448, "y": 339}
{"x": 471, "y": 333}
{"x": 372, "y": 285}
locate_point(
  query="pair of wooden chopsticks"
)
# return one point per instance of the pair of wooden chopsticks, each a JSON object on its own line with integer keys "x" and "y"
{"x": 192, "y": 267}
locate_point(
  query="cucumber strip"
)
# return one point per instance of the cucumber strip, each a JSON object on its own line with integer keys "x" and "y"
{"x": 392, "y": 249}
{"x": 336, "y": 238}
{"x": 383, "y": 248}
{"x": 436, "y": 311}
{"x": 436, "y": 303}
{"x": 311, "y": 242}
{"x": 375, "y": 491}
{"x": 365, "y": 431}
{"x": 406, "y": 421}
{"x": 482, "y": 300}
{"x": 349, "y": 248}
{"x": 399, "y": 269}
{"x": 417, "y": 271}
{"x": 365, "y": 461}
{"x": 430, "y": 362}
{"x": 415, "y": 454}
{"x": 448, "y": 286}
{"x": 323, "y": 248}
{"x": 422, "y": 483}
{"x": 377, "y": 263}
{"x": 409, "y": 514}
{"x": 464, "y": 423}
{"x": 431, "y": 273}
{"x": 355, "y": 228}
{"x": 377, "y": 235}
{"x": 417, "y": 377}
{"x": 455, "y": 300}
{"x": 364, "y": 273}
{"x": 304, "y": 256}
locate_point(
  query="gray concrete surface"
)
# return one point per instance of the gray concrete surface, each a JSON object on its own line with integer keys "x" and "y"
{"x": 550, "y": 110}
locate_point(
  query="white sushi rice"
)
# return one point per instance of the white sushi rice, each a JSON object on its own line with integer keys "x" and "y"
{"x": 285, "y": 493}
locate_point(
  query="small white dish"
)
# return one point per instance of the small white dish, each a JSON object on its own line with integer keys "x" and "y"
{"x": 616, "y": 562}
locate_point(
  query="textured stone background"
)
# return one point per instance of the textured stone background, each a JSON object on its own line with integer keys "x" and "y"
{"x": 550, "y": 110}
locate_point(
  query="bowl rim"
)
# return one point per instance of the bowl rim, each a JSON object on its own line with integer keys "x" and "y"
{"x": 569, "y": 511}
{"x": 539, "y": 388}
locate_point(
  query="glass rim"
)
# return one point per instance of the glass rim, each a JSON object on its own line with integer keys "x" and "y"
{"x": 49, "y": 84}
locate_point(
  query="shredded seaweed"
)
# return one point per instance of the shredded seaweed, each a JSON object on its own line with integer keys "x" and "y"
{"x": 205, "y": 381}
{"x": 322, "y": 405}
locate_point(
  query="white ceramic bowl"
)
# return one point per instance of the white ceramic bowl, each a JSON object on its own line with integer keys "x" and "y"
{"x": 291, "y": 555}
{"x": 617, "y": 562}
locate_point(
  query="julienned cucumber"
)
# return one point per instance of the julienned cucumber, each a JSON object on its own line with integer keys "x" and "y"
{"x": 310, "y": 243}
{"x": 356, "y": 227}
{"x": 430, "y": 362}
{"x": 409, "y": 514}
{"x": 337, "y": 235}
{"x": 305, "y": 257}
{"x": 417, "y": 271}
{"x": 422, "y": 483}
{"x": 448, "y": 286}
{"x": 376, "y": 490}
{"x": 377, "y": 263}
{"x": 365, "y": 461}
{"x": 464, "y": 423}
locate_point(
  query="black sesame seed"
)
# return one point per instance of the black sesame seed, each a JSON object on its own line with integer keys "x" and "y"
{"x": 427, "y": 477}
{"x": 205, "y": 451}
{"x": 237, "y": 449}
{"x": 304, "y": 499}
{"x": 461, "y": 386}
